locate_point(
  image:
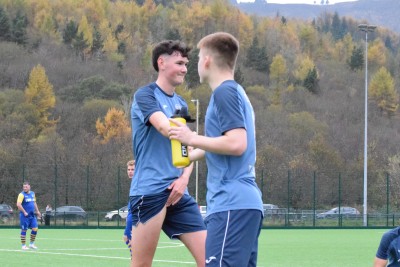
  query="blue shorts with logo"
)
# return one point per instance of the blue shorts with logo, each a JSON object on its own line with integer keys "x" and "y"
{"x": 183, "y": 217}
{"x": 232, "y": 238}
{"x": 128, "y": 227}
{"x": 27, "y": 222}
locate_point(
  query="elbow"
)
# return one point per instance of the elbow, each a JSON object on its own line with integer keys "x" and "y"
{"x": 239, "y": 149}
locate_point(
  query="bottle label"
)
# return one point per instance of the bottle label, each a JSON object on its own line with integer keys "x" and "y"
{"x": 184, "y": 151}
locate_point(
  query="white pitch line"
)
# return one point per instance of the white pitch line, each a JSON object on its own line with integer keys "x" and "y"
{"x": 90, "y": 256}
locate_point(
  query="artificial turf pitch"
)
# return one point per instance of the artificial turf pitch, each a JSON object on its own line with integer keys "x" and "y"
{"x": 277, "y": 248}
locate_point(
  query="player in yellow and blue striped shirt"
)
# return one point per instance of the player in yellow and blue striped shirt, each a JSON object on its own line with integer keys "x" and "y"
{"x": 27, "y": 207}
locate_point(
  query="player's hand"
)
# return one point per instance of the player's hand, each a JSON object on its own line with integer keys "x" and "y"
{"x": 181, "y": 132}
{"x": 177, "y": 188}
{"x": 25, "y": 214}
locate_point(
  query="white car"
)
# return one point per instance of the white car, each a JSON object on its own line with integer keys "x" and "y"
{"x": 203, "y": 211}
{"x": 120, "y": 214}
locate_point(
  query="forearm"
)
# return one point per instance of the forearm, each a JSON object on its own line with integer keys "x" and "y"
{"x": 232, "y": 143}
{"x": 196, "y": 154}
{"x": 187, "y": 171}
{"x": 20, "y": 208}
{"x": 36, "y": 209}
{"x": 379, "y": 262}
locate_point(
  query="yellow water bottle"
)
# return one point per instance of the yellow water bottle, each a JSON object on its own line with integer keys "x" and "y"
{"x": 180, "y": 153}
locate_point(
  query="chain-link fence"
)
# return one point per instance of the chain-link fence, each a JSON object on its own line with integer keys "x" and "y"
{"x": 300, "y": 199}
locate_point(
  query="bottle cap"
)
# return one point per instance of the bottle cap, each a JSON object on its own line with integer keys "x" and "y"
{"x": 183, "y": 113}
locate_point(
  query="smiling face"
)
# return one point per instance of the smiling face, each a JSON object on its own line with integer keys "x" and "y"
{"x": 173, "y": 67}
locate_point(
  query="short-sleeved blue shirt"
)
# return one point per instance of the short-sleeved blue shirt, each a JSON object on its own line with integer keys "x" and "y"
{"x": 231, "y": 181}
{"x": 389, "y": 247}
{"x": 154, "y": 171}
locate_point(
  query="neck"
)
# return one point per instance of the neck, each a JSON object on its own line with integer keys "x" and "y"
{"x": 221, "y": 77}
{"x": 165, "y": 86}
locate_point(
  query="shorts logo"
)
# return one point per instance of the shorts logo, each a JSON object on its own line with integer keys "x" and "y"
{"x": 210, "y": 259}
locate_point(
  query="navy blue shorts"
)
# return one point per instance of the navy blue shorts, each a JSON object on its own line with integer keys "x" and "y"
{"x": 232, "y": 238}
{"x": 27, "y": 222}
{"x": 183, "y": 217}
{"x": 128, "y": 227}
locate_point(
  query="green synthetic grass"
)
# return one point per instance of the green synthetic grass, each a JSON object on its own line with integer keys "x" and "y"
{"x": 277, "y": 248}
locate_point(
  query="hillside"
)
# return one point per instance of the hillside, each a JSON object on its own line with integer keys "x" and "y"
{"x": 379, "y": 12}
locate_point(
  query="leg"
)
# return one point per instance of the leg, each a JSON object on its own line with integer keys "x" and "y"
{"x": 184, "y": 221}
{"x": 23, "y": 238}
{"x": 196, "y": 243}
{"x": 145, "y": 239}
{"x": 33, "y": 237}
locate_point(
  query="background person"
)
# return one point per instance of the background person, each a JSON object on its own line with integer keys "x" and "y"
{"x": 27, "y": 207}
{"x": 158, "y": 195}
{"x": 234, "y": 204}
{"x": 130, "y": 168}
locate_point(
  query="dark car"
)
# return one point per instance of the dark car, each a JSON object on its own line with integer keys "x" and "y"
{"x": 345, "y": 212}
{"x": 6, "y": 212}
{"x": 68, "y": 213}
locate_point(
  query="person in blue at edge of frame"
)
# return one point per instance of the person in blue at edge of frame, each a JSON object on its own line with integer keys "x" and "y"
{"x": 234, "y": 205}
{"x": 388, "y": 251}
{"x": 27, "y": 207}
{"x": 130, "y": 169}
{"x": 159, "y": 198}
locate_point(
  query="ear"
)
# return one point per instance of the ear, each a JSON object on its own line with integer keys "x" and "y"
{"x": 207, "y": 61}
{"x": 161, "y": 62}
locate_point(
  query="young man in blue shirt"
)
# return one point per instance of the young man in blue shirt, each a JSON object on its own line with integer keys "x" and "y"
{"x": 27, "y": 207}
{"x": 130, "y": 169}
{"x": 388, "y": 253}
{"x": 234, "y": 205}
{"x": 158, "y": 195}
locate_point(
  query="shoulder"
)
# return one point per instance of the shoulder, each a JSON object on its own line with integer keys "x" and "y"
{"x": 145, "y": 90}
{"x": 390, "y": 235}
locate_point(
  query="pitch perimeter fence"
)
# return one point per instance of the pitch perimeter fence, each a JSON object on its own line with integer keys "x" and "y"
{"x": 301, "y": 199}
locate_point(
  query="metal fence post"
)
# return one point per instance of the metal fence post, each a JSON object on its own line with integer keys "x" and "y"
{"x": 340, "y": 199}
{"x": 314, "y": 197}
{"x": 87, "y": 186}
{"x": 387, "y": 198}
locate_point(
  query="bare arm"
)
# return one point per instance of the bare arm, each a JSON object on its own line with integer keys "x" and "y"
{"x": 233, "y": 142}
{"x": 37, "y": 211}
{"x": 160, "y": 122}
{"x": 379, "y": 262}
{"x": 20, "y": 208}
{"x": 196, "y": 154}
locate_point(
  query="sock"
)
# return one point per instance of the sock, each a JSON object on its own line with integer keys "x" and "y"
{"x": 23, "y": 237}
{"x": 128, "y": 243}
{"x": 33, "y": 236}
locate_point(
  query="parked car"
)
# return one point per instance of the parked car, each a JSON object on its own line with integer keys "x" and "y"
{"x": 345, "y": 212}
{"x": 203, "y": 211}
{"x": 6, "y": 212}
{"x": 270, "y": 209}
{"x": 68, "y": 212}
{"x": 122, "y": 213}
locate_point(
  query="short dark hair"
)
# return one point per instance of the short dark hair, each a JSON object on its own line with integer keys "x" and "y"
{"x": 168, "y": 47}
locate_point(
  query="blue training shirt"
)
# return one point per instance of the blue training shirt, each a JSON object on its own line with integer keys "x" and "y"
{"x": 231, "y": 181}
{"x": 389, "y": 247}
{"x": 154, "y": 171}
